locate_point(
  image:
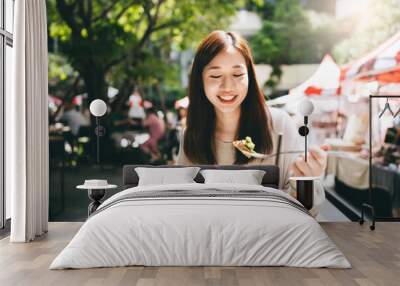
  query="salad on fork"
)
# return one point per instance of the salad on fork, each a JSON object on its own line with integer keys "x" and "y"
{"x": 246, "y": 146}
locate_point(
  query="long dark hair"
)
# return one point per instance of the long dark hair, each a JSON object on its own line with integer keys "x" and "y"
{"x": 255, "y": 119}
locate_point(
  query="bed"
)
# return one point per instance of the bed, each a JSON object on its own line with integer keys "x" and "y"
{"x": 201, "y": 224}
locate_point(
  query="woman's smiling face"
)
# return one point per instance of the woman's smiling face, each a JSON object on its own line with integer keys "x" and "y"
{"x": 226, "y": 80}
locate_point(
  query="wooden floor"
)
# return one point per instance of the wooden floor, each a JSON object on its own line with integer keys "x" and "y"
{"x": 374, "y": 255}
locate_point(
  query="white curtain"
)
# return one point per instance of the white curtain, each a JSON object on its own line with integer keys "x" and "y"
{"x": 27, "y": 124}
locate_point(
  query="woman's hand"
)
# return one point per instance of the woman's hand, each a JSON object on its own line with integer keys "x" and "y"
{"x": 315, "y": 165}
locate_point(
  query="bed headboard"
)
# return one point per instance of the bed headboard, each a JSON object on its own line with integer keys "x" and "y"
{"x": 270, "y": 179}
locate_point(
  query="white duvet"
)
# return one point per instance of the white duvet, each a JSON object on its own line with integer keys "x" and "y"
{"x": 200, "y": 231}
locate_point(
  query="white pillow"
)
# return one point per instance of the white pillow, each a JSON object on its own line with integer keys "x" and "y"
{"x": 249, "y": 177}
{"x": 163, "y": 176}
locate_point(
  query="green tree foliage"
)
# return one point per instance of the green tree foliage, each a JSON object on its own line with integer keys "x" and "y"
{"x": 128, "y": 42}
{"x": 291, "y": 35}
{"x": 369, "y": 29}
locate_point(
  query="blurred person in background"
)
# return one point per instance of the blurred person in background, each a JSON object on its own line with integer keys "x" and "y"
{"x": 156, "y": 127}
{"x": 122, "y": 125}
{"x": 73, "y": 118}
{"x": 182, "y": 113}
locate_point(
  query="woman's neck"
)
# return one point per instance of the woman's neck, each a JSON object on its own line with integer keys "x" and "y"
{"x": 227, "y": 124}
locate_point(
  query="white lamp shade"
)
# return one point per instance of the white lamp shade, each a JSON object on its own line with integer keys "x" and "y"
{"x": 98, "y": 107}
{"x": 305, "y": 107}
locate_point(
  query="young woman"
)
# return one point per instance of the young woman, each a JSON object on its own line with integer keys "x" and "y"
{"x": 226, "y": 104}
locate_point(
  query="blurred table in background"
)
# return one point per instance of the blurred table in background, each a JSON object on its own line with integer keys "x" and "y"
{"x": 351, "y": 177}
{"x": 348, "y": 168}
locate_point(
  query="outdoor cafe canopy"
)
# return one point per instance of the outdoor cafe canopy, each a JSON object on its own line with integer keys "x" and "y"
{"x": 325, "y": 80}
{"x": 322, "y": 86}
{"x": 381, "y": 64}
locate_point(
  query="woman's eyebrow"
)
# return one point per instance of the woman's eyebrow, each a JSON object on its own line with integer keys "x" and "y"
{"x": 213, "y": 67}
{"x": 218, "y": 67}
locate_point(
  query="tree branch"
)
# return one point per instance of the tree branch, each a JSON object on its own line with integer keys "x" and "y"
{"x": 152, "y": 21}
{"x": 67, "y": 13}
{"x": 123, "y": 10}
{"x": 167, "y": 24}
{"x": 157, "y": 10}
{"x": 83, "y": 15}
{"x": 105, "y": 11}
{"x": 90, "y": 9}
{"x": 114, "y": 62}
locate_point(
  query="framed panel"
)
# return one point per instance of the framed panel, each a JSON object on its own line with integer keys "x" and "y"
{"x": 2, "y": 117}
{"x": 7, "y": 94}
{"x": 1, "y": 14}
{"x": 9, "y": 16}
